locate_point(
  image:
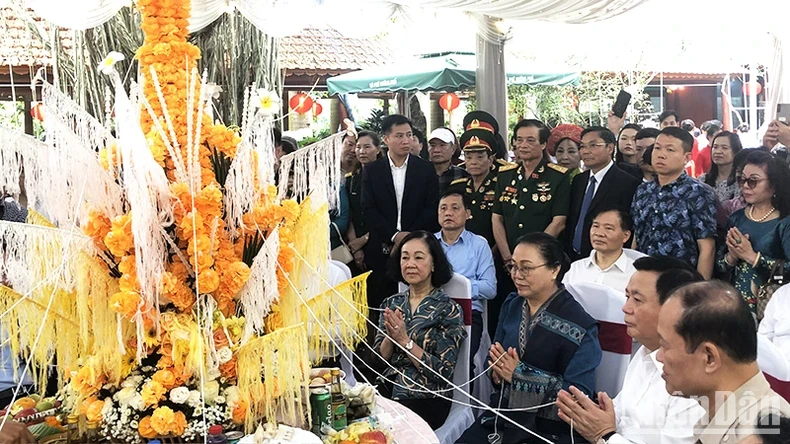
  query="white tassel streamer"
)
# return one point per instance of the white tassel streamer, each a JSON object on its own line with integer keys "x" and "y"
{"x": 260, "y": 291}
{"x": 321, "y": 159}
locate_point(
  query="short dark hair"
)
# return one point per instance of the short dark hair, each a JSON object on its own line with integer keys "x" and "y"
{"x": 735, "y": 146}
{"x": 543, "y": 131}
{"x": 626, "y": 221}
{"x": 714, "y": 311}
{"x": 647, "y": 133}
{"x": 456, "y": 192}
{"x": 687, "y": 140}
{"x": 393, "y": 120}
{"x": 666, "y": 114}
{"x": 550, "y": 250}
{"x": 277, "y": 135}
{"x": 687, "y": 125}
{"x": 442, "y": 270}
{"x": 373, "y": 137}
{"x": 672, "y": 274}
{"x": 603, "y": 133}
{"x": 778, "y": 176}
{"x": 713, "y": 127}
{"x": 773, "y": 428}
{"x": 288, "y": 144}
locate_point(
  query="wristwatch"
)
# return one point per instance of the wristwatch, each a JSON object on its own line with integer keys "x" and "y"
{"x": 409, "y": 345}
{"x": 605, "y": 438}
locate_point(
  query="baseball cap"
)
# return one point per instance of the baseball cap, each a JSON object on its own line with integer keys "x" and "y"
{"x": 442, "y": 134}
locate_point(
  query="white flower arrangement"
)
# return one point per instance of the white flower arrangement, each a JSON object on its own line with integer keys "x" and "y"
{"x": 179, "y": 395}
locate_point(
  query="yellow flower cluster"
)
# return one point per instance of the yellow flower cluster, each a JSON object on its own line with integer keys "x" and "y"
{"x": 163, "y": 422}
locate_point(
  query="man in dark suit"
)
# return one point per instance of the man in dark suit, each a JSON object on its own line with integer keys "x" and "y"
{"x": 400, "y": 193}
{"x": 602, "y": 185}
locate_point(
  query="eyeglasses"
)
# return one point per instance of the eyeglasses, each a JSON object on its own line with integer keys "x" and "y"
{"x": 525, "y": 271}
{"x": 592, "y": 145}
{"x": 750, "y": 182}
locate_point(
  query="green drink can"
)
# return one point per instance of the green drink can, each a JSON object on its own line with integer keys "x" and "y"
{"x": 321, "y": 407}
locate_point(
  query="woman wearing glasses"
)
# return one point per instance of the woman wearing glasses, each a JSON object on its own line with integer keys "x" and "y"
{"x": 759, "y": 234}
{"x": 544, "y": 342}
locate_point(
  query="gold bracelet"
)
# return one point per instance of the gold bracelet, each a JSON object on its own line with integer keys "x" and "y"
{"x": 756, "y": 260}
{"x": 726, "y": 261}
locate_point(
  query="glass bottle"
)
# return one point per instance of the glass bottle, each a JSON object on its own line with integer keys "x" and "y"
{"x": 93, "y": 432}
{"x": 72, "y": 429}
{"x": 339, "y": 402}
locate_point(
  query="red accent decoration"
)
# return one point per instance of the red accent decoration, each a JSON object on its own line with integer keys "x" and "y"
{"x": 614, "y": 338}
{"x": 317, "y": 109}
{"x": 449, "y": 102}
{"x": 750, "y": 88}
{"x": 38, "y": 112}
{"x": 782, "y": 388}
{"x": 301, "y": 103}
{"x": 466, "y": 307}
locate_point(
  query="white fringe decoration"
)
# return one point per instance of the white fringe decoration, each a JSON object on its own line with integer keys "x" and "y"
{"x": 60, "y": 108}
{"x": 240, "y": 191}
{"x": 52, "y": 171}
{"x": 321, "y": 159}
{"x": 148, "y": 193}
{"x": 260, "y": 291}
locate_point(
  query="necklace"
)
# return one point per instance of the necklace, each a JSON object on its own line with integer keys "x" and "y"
{"x": 751, "y": 214}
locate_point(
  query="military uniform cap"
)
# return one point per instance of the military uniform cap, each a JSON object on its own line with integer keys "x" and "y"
{"x": 478, "y": 140}
{"x": 481, "y": 120}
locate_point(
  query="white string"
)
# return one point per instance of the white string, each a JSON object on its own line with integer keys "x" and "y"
{"x": 44, "y": 318}
{"x": 408, "y": 353}
{"x": 337, "y": 346}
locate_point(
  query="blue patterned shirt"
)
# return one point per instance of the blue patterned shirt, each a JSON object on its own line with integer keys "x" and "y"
{"x": 669, "y": 219}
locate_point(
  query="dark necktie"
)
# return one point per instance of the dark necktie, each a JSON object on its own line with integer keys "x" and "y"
{"x": 588, "y": 197}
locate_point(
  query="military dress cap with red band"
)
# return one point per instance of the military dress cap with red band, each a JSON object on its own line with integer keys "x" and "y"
{"x": 481, "y": 120}
{"x": 478, "y": 140}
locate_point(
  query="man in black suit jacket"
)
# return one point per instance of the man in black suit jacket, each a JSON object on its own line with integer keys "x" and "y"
{"x": 400, "y": 193}
{"x": 611, "y": 188}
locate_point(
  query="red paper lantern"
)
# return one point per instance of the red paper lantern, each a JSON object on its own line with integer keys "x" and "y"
{"x": 449, "y": 102}
{"x": 752, "y": 88}
{"x": 301, "y": 103}
{"x": 38, "y": 112}
{"x": 317, "y": 109}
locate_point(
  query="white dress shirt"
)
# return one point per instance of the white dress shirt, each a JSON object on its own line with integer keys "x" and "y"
{"x": 616, "y": 276}
{"x": 599, "y": 176}
{"x": 776, "y": 324}
{"x": 399, "y": 181}
{"x": 646, "y": 413}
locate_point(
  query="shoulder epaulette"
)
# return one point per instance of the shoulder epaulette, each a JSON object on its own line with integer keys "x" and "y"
{"x": 556, "y": 167}
{"x": 462, "y": 165}
{"x": 458, "y": 181}
{"x": 349, "y": 174}
{"x": 502, "y": 162}
{"x": 508, "y": 167}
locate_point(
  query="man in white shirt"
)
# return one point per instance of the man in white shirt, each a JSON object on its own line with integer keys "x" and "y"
{"x": 607, "y": 264}
{"x": 776, "y": 324}
{"x": 643, "y": 412}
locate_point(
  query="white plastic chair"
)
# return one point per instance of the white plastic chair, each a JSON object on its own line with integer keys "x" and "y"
{"x": 605, "y": 305}
{"x": 774, "y": 366}
{"x": 460, "y": 417}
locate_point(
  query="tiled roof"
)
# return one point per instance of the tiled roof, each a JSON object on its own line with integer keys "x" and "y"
{"x": 326, "y": 51}
{"x": 20, "y": 46}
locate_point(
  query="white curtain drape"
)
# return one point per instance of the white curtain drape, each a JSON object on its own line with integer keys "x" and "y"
{"x": 280, "y": 18}
{"x": 778, "y": 74}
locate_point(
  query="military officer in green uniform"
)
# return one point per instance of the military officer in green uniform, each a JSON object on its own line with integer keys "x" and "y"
{"x": 482, "y": 120}
{"x": 532, "y": 195}
{"x": 478, "y": 146}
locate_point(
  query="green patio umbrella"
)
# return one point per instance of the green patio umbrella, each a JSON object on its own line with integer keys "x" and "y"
{"x": 451, "y": 72}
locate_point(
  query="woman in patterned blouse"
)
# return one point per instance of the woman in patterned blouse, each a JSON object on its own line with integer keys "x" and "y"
{"x": 425, "y": 322}
{"x": 724, "y": 148}
{"x": 544, "y": 342}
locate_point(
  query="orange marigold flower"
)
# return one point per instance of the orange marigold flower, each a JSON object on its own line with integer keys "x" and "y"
{"x": 178, "y": 269}
{"x": 239, "y": 413}
{"x": 202, "y": 242}
{"x": 189, "y": 227}
{"x": 128, "y": 282}
{"x": 204, "y": 261}
{"x": 87, "y": 381}
{"x": 118, "y": 242}
{"x": 93, "y": 413}
{"x": 145, "y": 429}
{"x": 209, "y": 201}
{"x": 179, "y": 425}
{"x": 165, "y": 377}
{"x": 168, "y": 284}
{"x": 208, "y": 281}
{"x": 162, "y": 420}
{"x": 152, "y": 393}
{"x": 237, "y": 273}
{"x": 228, "y": 369}
{"x": 97, "y": 225}
{"x": 125, "y": 302}
{"x": 127, "y": 264}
